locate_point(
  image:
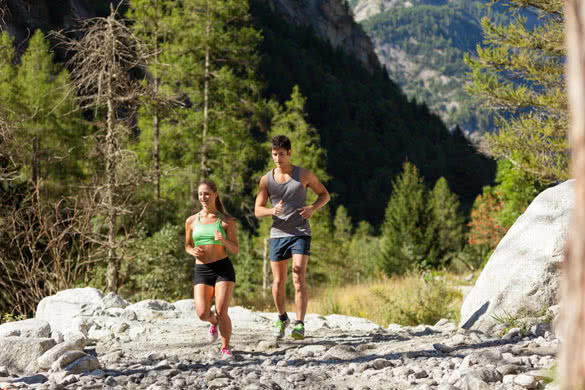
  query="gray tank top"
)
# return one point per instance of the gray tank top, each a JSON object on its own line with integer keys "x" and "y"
{"x": 294, "y": 196}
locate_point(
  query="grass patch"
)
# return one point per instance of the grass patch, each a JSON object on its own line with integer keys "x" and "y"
{"x": 407, "y": 300}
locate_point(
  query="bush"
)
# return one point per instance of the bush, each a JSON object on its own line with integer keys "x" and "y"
{"x": 426, "y": 302}
{"x": 407, "y": 300}
{"x": 154, "y": 267}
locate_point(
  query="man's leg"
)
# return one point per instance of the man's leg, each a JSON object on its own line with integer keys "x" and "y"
{"x": 299, "y": 269}
{"x": 279, "y": 273}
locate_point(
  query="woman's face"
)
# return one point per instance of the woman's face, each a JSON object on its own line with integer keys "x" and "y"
{"x": 206, "y": 196}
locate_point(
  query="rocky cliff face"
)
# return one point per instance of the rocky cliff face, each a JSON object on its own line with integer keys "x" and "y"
{"x": 23, "y": 17}
{"x": 332, "y": 21}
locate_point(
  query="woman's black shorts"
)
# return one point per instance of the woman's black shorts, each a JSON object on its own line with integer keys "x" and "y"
{"x": 218, "y": 271}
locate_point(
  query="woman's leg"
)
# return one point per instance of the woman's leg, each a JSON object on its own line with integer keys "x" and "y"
{"x": 223, "y": 297}
{"x": 203, "y": 294}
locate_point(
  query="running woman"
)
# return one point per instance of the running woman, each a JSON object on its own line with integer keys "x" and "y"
{"x": 209, "y": 235}
{"x": 290, "y": 236}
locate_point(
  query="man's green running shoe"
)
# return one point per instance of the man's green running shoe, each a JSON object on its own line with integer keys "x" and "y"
{"x": 280, "y": 327}
{"x": 298, "y": 333}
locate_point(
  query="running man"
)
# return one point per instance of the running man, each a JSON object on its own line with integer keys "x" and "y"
{"x": 290, "y": 235}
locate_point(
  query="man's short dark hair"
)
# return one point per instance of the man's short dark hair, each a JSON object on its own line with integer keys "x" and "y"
{"x": 280, "y": 141}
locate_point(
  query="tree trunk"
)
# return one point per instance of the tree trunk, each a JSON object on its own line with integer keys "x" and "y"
{"x": 113, "y": 262}
{"x": 155, "y": 119}
{"x": 572, "y": 362}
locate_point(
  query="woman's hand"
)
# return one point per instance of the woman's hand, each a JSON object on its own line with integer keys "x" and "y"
{"x": 218, "y": 236}
{"x": 199, "y": 253}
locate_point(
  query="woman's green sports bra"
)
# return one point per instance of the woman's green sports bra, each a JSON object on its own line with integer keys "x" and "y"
{"x": 204, "y": 233}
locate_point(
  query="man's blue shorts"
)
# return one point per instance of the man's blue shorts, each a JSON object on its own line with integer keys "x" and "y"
{"x": 283, "y": 248}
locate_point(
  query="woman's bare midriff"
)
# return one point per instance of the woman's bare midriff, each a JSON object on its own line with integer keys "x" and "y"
{"x": 213, "y": 253}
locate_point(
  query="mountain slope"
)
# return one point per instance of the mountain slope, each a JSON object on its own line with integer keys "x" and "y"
{"x": 422, "y": 44}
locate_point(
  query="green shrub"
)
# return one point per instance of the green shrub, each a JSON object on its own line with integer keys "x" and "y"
{"x": 425, "y": 302}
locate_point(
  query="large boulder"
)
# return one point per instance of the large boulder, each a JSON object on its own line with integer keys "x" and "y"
{"x": 17, "y": 352}
{"x": 26, "y": 328}
{"x": 522, "y": 276}
{"x": 60, "y": 309}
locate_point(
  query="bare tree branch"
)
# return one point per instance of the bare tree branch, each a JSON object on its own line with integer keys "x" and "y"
{"x": 107, "y": 65}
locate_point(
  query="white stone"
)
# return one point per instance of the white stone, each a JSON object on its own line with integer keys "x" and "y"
{"x": 74, "y": 344}
{"x": 185, "y": 306}
{"x": 351, "y": 323}
{"x": 16, "y": 353}
{"x": 113, "y": 301}
{"x": 26, "y": 328}
{"x": 522, "y": 275}
{"x": 60, "y": 309}
{"x": 526, "y": 381}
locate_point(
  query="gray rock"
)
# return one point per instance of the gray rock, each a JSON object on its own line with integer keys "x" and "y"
{"x": 312, "y": 350}
{"x": 16, "y": 353}
{"x": 472, "y": 382}
{"x": 341, "y": 352}
{"x": 26, "y": 328}
{"x": 111, "y": 301}
{"x": 85, "y": 364}
{"x": 522, "y": 274}
{"x": 73, "y": 344}
{"x": 66, "y": 359}
{"x": 507, "y": 369}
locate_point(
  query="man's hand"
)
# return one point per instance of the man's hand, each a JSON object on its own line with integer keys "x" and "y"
{"x": 277, "y": 209}
{"x": 306, "y": 212}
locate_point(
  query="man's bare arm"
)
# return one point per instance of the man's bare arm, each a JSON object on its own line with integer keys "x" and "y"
{"x": 260, "y": 209}
{"x": 322, "y": 196}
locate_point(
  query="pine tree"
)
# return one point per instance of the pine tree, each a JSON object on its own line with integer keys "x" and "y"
{"x": 214, "y": 59}
{"x": 518, "y": 73}
{"x": 51, "y": 133}
{"x": 9, "y": 161}
{"x": 152, "y": 24}
{"x": 446, "y": 224}
{"x": 404, "y": 243}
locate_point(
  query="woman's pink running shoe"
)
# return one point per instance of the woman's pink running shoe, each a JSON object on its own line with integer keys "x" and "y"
{"x": 213, "y": 333}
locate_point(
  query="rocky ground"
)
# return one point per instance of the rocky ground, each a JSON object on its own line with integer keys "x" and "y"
{"x": 168, "y": 349}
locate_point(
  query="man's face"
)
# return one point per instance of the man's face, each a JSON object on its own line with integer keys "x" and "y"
{"x": 280, "y": 157}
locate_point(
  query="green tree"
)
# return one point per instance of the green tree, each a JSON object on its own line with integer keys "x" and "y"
{"x": 152, "y": 25}
{"x": 213, "y": 52}
{"x": 49, "y": 132}
{"x": 447, "y": 224}
{"x": 518, "y": 73}
{"x": 405, "y": 241}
